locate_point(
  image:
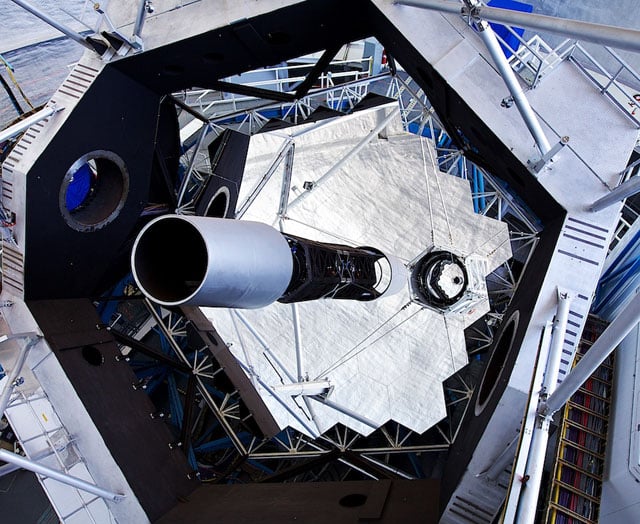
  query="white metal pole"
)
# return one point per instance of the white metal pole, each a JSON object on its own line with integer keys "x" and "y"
{"x": 535, "y": 462}
{"x": 372, "y": 134}
{"x": 144, "y": 7}
{"x": 298, "y": 341}
{"x": 253, "y": 194}
{"x": 75, "y": 482}
{"x": 53, "y": 23}
{"x": 315, "y": 433}
{"x": 11, "y": 379}
{"x": 503, "y": 460}
{"x": 349, "y": 412}
{"x": 618, "y": 37}
{"x": 264, "y": 344}
{"x": 509, "y": 77}
{"x": 625, "y": 190}
{"x": 8, "y": 468}
{"x": 25, "y": 124}
{"x": 599, "y": 351}
{"x": 29, "y": 340}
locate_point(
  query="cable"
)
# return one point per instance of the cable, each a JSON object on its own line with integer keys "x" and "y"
{"x": 444, "y": 207}
{"x": 346, "y": 357}
{"x": 320, "y": 230}
{"x": 9, "y": 70}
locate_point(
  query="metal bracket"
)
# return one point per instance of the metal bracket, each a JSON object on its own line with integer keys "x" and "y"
{"x": 548, "y": 156}
{"x": 126, "y": 44}
{"x": 14, "y": 379}
{"x": 322, "y": 388}
{"x": 23, "y": 125}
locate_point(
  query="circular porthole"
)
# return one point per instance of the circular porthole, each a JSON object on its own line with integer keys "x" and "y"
{"x": 495, "y": 367}
{"x": 92, "y": 355}
{"x": 93, "y": 191}
{"x": 219, "y": 204}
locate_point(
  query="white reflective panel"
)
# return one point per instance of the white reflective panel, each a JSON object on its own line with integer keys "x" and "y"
{"x": 385, "y": 359}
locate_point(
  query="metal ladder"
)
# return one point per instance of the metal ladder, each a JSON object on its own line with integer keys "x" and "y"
{"x": 574, "y": 494}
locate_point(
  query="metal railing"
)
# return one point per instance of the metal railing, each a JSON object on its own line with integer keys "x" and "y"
{"x": 213, "y": 104}
{"x": 532, "y": 59}
{"x": 622, "y": 94}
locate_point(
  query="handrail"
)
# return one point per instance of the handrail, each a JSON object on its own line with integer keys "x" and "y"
{"x": 519, "y": 58}
{"x": 326, "y": 91}
{"x": 287, "y": 68}
{"x": 620, "y": 94}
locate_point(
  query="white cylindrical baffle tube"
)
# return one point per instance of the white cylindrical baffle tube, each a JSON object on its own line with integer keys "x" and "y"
{"x": 204, "y": 261}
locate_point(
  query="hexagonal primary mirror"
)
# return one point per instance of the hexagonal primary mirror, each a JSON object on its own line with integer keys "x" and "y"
{"x": 362, "y": 363}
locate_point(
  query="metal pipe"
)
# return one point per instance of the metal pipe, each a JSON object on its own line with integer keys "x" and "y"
{"x": 624, "y": 190}
{"x": 619, "y": 37}
{"x": 264, "y": 345}
{"x": 601, "y": 349}
{"x": 285, "y": 188}
{"x": 372, "y": 134}
{"x": 315, "y": 433}
{"x": 30, "y": 339}
{"x": 75, "y": 482}
{"x": 555, "y": 351}
{"x": 13, "y": 376}
{"x": 297, "y": 340}
{"x": 8, "y": 468}
{"x": 528, "y": 502}
{"x": 437, "y": 5}
{"x": 503, "y": 461}
{"x": 255, "y": 191}
{"x": 144, "y": 8}
{"x": 25, "y": 124}
{"x": 346, "y": 411}
{"x": 187, "y": 177}
{"x": 304, "y": 388}
{"x": 509, "y": 77}
{"x": 60, "y": 27}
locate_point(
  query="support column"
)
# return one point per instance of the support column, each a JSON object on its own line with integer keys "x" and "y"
{"x": 618, "y": 37}
{"x": 535, "y": 462}
{"x": 29, "y": 340}
{"x": 601, "y": 349}
{"x": 88, "y": 42}
{"x": 25, "y": 124}
{"x": 509, "y": 77}
{"x": 624, "y": 190}
{"x": 25, "y": 463}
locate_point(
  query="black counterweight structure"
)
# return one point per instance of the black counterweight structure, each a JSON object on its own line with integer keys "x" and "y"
{"x": 216, "y": 262}
{"x": 323, "y": 270}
